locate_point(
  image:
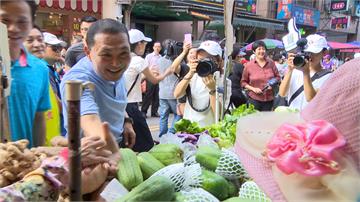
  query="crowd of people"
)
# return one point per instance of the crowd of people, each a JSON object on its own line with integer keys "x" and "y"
{"x": 112, "y": 57}
{"x": 165, "y": 79}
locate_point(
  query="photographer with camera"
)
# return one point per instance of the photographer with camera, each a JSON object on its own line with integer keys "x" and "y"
{"x": 199, "y": 84}
{"x": 305, "y": 74}
{"x": 256, "y": 76}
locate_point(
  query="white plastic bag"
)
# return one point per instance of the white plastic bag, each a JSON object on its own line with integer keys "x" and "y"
{"x": 114, "y": 190}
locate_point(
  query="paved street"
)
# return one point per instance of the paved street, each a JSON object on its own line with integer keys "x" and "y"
{"x": 153, "y": 123}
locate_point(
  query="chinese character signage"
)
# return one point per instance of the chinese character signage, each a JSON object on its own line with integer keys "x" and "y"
{"x": 305, "y": 16}
{"x": 339, "y": 5}
{"x": 340, "y": 23}
{"x": 284, "y": 9}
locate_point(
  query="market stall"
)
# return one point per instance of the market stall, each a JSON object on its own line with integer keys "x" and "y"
{"x": 344, "y": 47}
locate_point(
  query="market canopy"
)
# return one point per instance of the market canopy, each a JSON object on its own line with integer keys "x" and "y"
{"x": 344, "y": 47}
{"x": 76, "y": 5}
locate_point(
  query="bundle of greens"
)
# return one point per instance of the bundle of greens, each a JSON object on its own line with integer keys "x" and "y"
{"x": 224, "y": 131}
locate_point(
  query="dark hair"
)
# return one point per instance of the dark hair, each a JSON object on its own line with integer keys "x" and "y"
{"x": 32, "y": 5}
{"x": 258, "y": 44}
{"x": 35, "y": 26}
{"x": 277, "y": 57}
{"x": 236, "y": 51}
{"x": 88, "y": 19}
{"x": 133, "y": 46}
{"x": 106, "y": 26}
{"x": 157, "y": 42}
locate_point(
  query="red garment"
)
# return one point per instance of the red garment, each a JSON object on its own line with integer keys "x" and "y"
{"x": 257, "y": 77}
{"x": 244, "y": 61}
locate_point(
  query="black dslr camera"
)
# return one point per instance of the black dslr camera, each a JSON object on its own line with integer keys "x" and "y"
{"x": 301, "y": 55}
{"x": 206, "y": 67}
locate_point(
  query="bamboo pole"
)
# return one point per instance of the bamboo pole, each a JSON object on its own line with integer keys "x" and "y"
{"x": 74, "y": 91}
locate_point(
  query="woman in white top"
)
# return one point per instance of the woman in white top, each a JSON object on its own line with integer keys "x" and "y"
{"x": 138, "y": 66}
{"x": 200, "y": 107}
{"x": 295, "y": 78}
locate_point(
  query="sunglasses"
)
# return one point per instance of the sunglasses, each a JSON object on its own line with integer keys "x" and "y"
{"x": 56, "y": 48}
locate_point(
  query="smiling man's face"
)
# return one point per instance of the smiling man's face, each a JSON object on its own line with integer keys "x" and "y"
{"x": 110, "y": 55}
{"x": 16, "y": 15}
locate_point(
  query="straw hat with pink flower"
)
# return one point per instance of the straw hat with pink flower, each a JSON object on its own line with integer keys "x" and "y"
{"x": 311, "y": 156}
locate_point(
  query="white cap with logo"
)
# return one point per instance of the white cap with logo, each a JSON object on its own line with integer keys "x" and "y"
{"x": 211, "y": 47}
{"x": 316, "y": 43}
{"x": 53, "y": 40}
{"x": 137, "y": 36}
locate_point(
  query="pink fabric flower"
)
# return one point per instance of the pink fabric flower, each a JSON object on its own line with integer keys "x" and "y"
{"x": 307, "y": 149}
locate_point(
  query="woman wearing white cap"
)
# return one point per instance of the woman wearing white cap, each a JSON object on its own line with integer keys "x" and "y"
{"x": 138, "y": 66}
{"x": 200, "y": 89}
{"x": 301, "y": 84}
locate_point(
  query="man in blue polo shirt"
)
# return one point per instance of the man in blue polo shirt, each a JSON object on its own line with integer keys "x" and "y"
{"x": 29, "y": 93}
{"x": 108, "y": 56}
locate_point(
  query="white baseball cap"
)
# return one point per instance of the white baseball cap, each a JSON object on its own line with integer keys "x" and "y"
{"x": 52, "y": 39}
{"x": 211, "y": 47}
{"x": 137, "y": 36}
{"x": 316, "y": 43}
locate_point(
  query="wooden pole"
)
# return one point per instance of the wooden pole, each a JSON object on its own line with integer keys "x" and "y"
{"x": 5, "y": 81}
{"x": 74, "y": 91}
{"x": 73, "y": 95}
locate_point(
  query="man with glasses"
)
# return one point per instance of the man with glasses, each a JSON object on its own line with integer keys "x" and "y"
{"x": 52, "y": 57}
{"x": 76, "y": 51}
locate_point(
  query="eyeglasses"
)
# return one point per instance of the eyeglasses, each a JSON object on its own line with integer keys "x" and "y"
{"x": 56, "y": 49}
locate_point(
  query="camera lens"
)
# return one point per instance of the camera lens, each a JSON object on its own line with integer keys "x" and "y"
{"x": 204, "y": 68}
{"x": 299, "y": 61}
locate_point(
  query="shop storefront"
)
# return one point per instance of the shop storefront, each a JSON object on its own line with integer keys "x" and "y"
{"x": 62, "y": 17}
{"x": 307, "y": 19}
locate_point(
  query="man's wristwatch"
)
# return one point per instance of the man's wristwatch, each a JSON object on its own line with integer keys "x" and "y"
{"x": 129, "y": 120}
{"x": 212, "y": 92}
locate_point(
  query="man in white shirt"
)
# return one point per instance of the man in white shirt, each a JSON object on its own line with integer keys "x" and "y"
{"x": 296, "y": 77}
{"x": 151, "y": 96}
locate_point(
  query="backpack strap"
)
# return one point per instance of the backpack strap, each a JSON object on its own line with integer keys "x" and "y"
{"x": 317, "y": 75}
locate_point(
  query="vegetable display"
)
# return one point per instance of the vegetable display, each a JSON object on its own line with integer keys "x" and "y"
{"x": 224, "y": 132}
{"x": 129, "y": 172}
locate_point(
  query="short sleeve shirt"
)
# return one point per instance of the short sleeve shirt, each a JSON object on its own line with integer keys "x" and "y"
{"x": 166, "y": 86}
{"x": 297, "y": 80}
{"x": 108, "y": 100}
{"x": 136, "y": 67}
{"x": 29, "y": 94}
{"x": 153, "y": 59}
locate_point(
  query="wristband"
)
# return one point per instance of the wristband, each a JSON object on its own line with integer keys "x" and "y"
{"x": 212, "y": 92}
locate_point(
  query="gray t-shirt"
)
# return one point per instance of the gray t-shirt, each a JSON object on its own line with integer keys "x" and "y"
{"x": 166, "y": 86}
{"x": 74, "y": 54}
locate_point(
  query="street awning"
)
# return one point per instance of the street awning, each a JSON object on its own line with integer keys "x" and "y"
{"x": 249, "y": 21}
{"x": 92, "y": 6}
{"x": 343, "y": 47}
